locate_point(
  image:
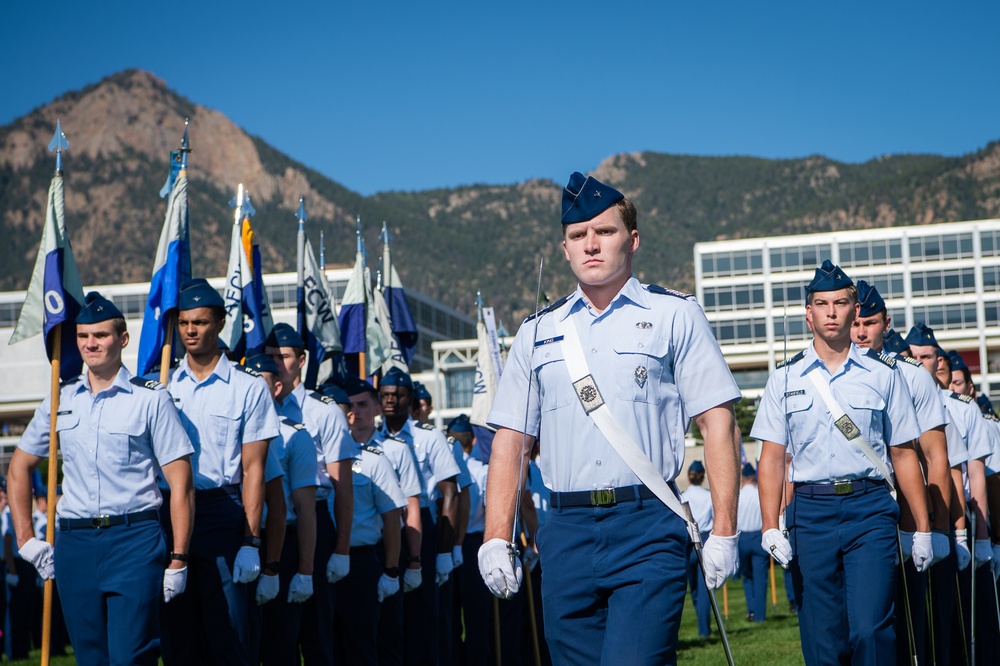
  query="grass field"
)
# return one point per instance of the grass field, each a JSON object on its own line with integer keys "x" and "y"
{"x": 774, "y": 642}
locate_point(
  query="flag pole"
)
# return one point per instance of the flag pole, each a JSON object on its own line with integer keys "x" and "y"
{"x": 166, "y": 354}
{"x": 362, "y": 369}
{"x": 300, "y": 249}
{"x": 50, "y": 528}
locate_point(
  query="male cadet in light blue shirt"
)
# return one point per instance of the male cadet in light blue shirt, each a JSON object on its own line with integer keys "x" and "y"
{"x": 334, "y": 453}
{"x": 700, "y": 501}
{"x": 753, "y": 559}
{"x": 438, "y": 478}
{"x": 116, "y": 432}
{"x": 841, "y": 520}
{"x": 614, "y": 560}
{"x": 286, "y": 579}
{"x": 230, "y": 418}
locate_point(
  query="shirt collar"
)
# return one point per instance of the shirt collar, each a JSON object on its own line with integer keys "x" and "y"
{"x": 121, "y": 381}
{"x": 222, "y": 369}
{"x": 298, "y": 394}
{"x": 631, "y": 291}
{"x": 854, "y": 356}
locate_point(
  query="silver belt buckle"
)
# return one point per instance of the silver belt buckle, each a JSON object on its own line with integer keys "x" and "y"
{"x": 101, "y": 521}
{"x": 603, "y": 497}
{"x": 843, "y": 487}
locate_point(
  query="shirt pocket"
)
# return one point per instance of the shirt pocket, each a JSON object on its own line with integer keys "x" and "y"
{"x": 66, "y": 429}
{"x": 225, "y": 428}
{"x": 551, "y": 377}
{"x": 801, "y": 422}
{"x": 639, "y": 364}
{"x": 126, "y": 441}
{"x": 867, "y": 408}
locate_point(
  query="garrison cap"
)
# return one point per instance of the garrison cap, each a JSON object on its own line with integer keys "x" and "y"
{"x": 198, "y": 293}
{"x": 585, "y": 197}
{"x": 283, "y": 335}
{"x": 460, "y": 424}
{"x": 921, "y": 335}
{"x": 355, "y": 386}
{"x": 870, "y": 300}
{"x": 985, "y": 406}
{"x": 261, "y": 362}
{"x": 893, "y": 342}
{"x": 338, "y": 394}
{"x": 696, "y": 466}
{"x": 96, "y": 309}
{"x": 828, "y": 278}
{"x": 420, "y": 391}
{"x": 957, "y": 362}
{"x": 396, "y": 377}
{"x": 748, "y": 470}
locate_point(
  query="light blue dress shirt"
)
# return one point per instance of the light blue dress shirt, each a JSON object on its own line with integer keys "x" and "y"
{"x": 700, "y": 501}
{"x": 925, "y": 392}
{"x": 397, "y": 451}
{"x": 748, "y": 517}
{"x": 296, "y": 453}
{"x": 477, "y": 494}
{"x": 376, "y": 491}
{"x": 432, "y": 457}
{"x": 975, "y": 430}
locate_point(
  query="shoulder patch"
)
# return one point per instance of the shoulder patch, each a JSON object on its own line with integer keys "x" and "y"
{"x": 908, "y": 359}
{"x": 247, "y": 370}
{"x": 146, "y": 383}
{"x": 550, "y": 308}
{"x": 991, "y": 417}
{"x": 789, "y": 361}
{"x": 427, "y": 426}
{"x": 657, "y": 289}
{"x": 326, "y": 400}
{"x": 962, "y": 397}
{"x": 73, "y": 380}
{"x": 373, "y": 449}
{"x": 294, "y": 424}
{"x": 881, "y": 357}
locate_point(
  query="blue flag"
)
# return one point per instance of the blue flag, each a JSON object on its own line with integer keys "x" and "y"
{"x": 403, "y": 327}
{"x": 352, "y": 316}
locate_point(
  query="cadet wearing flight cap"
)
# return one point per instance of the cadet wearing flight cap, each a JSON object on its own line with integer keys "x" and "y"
{"x": 116, "y": 432}
{"x": 230, "y": 418}
{"x": 654, "y": 361}
{"x": 841, "y": 520}
{"x": 700, "y": 501}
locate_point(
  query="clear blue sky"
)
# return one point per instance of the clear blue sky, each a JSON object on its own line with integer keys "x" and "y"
{"x": 414, "y": 95}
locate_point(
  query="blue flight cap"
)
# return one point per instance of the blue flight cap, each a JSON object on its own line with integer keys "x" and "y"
{"x": 261, "y": 362}
{"x": 460, "y": 424}
{"x": 198, "y": 293}
{"x": 97, "y": 309}
{"x": 338, "y": 394}
{"x": 396, "y": 377}
{"x": 870, "y": 300}
{"x": 696, "y": 466}
{"x": 420, "y": 391}
{"x": 748, "y": 470}
{"x": 356, "y": 386}
{"x": 957, "y": 362}
{"x": 585, "y": 197}
{"x": 283, "y": 335}
{"x": 893, "y": 342}
{"x": 828, "y": 278}
{"x": 985, "y": 406}
{"x": 921, "y": 335}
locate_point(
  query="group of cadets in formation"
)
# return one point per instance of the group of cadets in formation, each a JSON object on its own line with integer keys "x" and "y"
{"x": 236, "y": 517}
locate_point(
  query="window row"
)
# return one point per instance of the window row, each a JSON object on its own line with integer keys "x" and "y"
{"x": 871, "y": 252}
{"x": 944, "y": 246}
{"x": 733, "y": 297}
{"x": 737, "y": 262}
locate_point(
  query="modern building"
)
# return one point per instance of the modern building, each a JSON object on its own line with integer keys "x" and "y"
{"x": 945, "y": 275}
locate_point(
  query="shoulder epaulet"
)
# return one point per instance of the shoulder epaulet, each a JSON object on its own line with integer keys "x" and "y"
{"x": 788, "y": 361}
{"x": 248, "y": 370}
{"x": 908, "y": 359}
{"x": 450, "y": 439}
{"x": 294, "y": 424}
{"x": 71, "y": 380}
{"x": 657, "y": 289}
{"x": 151, "y": 384}
{"x": 991, "y": 417}
{"x": 881, "y": 357}
{"x": 326, "y": 400}
{"x": 373, "y": 449}
{"x": 962, "y": 397}
{"x": 550, "y": 308}
{"x": 426, "y": 426}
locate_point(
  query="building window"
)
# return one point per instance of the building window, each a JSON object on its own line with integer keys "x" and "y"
{"x": 989, "y": 242}
{"x": 738, "y": 297}
{"x": 938, "y": 248}
{"x": 951, "y": 317}
{"x": 9, "y": 312}
{"x": 749, "y": 380}
{"x": 888, "y": 286}
{"x": 460, "y": 384}
{"x": 788, "y": 293}
{"x": 939, "y": 283}
{"x": 797, "y": 329}
{"x": 871, "y": 253}
{"x": 740, "y": 331}
{"x": 736, "y": 262}
{"x": 788, "y": 259}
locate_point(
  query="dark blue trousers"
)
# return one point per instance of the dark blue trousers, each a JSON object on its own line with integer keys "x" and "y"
{"x": 420, "y": 607}
{"x": 754, "y": 569}
{"x": 477, "y": 604}
{"x": 316, "y": 630}
{"x": 699, "y": 593}
{"x": 279, "y": 619}
{"x": 613, "y": 583}
{"x": 390, "y": 619}
{"x": 209, "y": 622}
{"x": 114, "y": 579}
{"x": 844, "y": 572}
{"x": 356, "y": 619}
{"x": 941, "y": 583}
{"x": 23, "y": 608}
{"x": 916, "y": 585}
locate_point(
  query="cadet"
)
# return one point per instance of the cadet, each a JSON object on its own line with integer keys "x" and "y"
{"x": 229, "y": 416}
{"x": 614, "y": 556}
{"x": 422, "y": 403}
{"x": 753, "y": 559}
{"x": 116, "y": 432}
{"x": 700, "y": 501}
{"x": 832, "y": 406}
{"x": 286, "y": 581}
{"x": 334, "y": 453}
{"x": 438, "y": 478}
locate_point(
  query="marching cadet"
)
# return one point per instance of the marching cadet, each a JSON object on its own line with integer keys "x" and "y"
{"x": 868, "y": 332}
{"x": 616, "y": 366}
{"x": 365, "y": 406}
{"x": 327, "y": 424}
{"x": 700, "y": 501}
{"x": 753, "y": 559}
{"x": 374, "y": 576}
{"x": 286, "y": 579}
{"x": 116, "y": 432}
{"x": 422, "y": 403}
{"x": 841, "y": 413}
{"x": 438, "y": 478}
{"x": 229, "y": 416}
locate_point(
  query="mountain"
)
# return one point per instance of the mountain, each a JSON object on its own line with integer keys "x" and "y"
{"x": 446, "y": 242}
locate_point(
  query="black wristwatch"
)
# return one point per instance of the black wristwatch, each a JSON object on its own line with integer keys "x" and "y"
{"x": 391, "y": 572}
{"x": 180, "y": 557}
{"x": 273, "y": 567}
{"x": 252, "y": 540}
{"x": 413, "y": 559}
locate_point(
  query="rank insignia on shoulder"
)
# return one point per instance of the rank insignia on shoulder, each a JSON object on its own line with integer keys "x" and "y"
{"x": 550, "y": 308}
{"x": 247, "y": 370}
{"x": 789, "y": 361}
{"x": 908, "y": 359}
{"x": 326, "y": 400}
{"x": 450, "y": 439}
{"x": 427, "y": 426}
{"x": 962, "y": 397}
{"x": 373, "y": 449}
{"x": 294, "y": 424}
{"x": 881, "y": 357}
{"x": 151, "y": 384}
{"x": 657, "y": 289}
{"x": 991, "y": 417}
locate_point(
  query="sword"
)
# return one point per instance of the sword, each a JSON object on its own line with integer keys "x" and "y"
{"x": 972, "y": 594}
{"x": 906, "y": 600}
{"x": 696, "y": 540}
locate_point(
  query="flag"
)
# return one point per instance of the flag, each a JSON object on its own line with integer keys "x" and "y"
{"x": 320, "y": 329}
{"x": 389, "y": 344}
{"x": 55, "y": 292}
{"x": 171, "y": 268}
{"x": 377, "y": 340}
{"x": 248, "y": 321}
{"x": 488, "y": 367}
{"x": 352, "y": 318}
{"x": 403, "y": 327}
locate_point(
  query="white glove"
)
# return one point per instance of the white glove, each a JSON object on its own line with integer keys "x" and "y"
{"x": 721, "y": 558}
{"x": 246, "y": 568}
{"x": 388, "y": 586}
{"x": 962, "y": 553}
{"x": 300, "y": 589}
{"x": 995, "y": 562}
{"x": 337, "y": 567}
{"x": 500, "y": 571}
{"x": 984, "y": 552}
{"x": 942, "y": 546}
{"x": 776, "y": 544}
{"x": 923, "y": 550}
{"x": 445, "y": 565}
{"x": 456, "y": 556}
{"x": 39, "y": 553}
{"x": 267, "y": 588}
{"x": 174, "y": 582}
{"x": 412, "y": 578}
{"x": 13, "y": 579}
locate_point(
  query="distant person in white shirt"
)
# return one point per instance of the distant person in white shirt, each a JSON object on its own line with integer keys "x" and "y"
{"x": 700, "y": 501}
{"x": 753, "y": 560}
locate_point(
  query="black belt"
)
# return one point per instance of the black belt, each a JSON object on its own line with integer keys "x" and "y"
{"x": 600, "y": 496}
{"x": 838, "y": 487}
{"x": 363, "y": 550}
{"x": 101, "y": 522}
